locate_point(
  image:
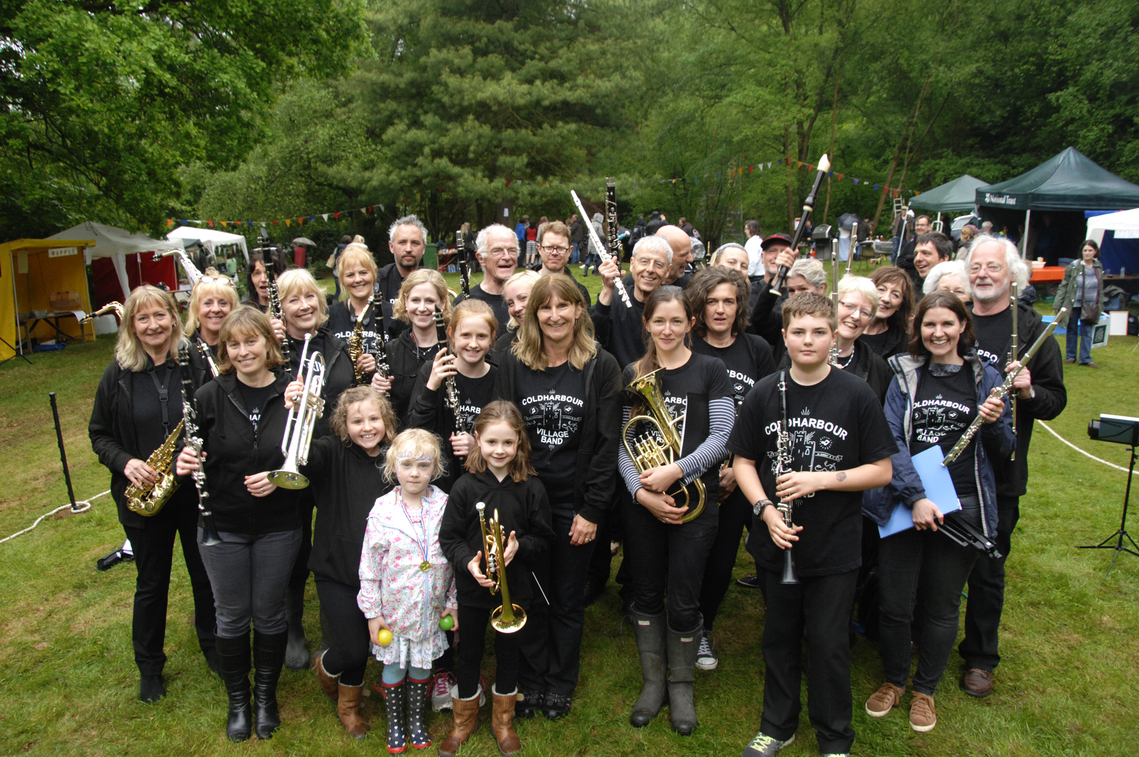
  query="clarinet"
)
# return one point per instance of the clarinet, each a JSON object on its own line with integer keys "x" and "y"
{"x": 1002, "y": 390}
{"x": 611, "y": 217}
{"x": 194, "y": 441}
{"x": 204, "y": 351}
{"x": 783, "y": 464}
{"x": 381, "y": 344}
{"x": 800, "y": 231}
{"x": 1014, "y": 350}
{"x": 275, "y": 311}
{"x": 464, "y": 263}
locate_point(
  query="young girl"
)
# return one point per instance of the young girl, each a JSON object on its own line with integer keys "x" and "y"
{"x": 420, "y": 294}
{"x": 499, "y": 475}
{"x": 346, "y": 471}
{"x": 406, "y": 585}
{"x": 471, "y": 333}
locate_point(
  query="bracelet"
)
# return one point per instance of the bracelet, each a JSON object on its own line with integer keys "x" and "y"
{"x": 758, "y": 507}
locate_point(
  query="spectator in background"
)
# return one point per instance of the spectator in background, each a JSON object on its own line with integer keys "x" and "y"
{"x": 334, "y": 260}
{"x": 1081, "y": 292}
{"x": 968, "y": 231}
{"x": 731, "y": 256}
{"x": 656, "y": 220}
{"x": 907, "y": 248}
{"x": 754, "y": 248}
{"x": 520, "y": 231}
{"x": 929, "y": 250}
{"x": 594, "y": 256}
{"x": 577, "y": 236}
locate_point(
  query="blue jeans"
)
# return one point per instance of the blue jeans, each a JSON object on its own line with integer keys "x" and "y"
{"x": 575, "y": 256}
{"x": 1082, "y": 333}
{"x": 249, "y": 574}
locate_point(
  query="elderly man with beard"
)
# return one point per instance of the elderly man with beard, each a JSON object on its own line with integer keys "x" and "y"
{"x": 498, "y": 254}
{"x": 554, "y": 247}
{"x": 407, "y": 241}
{"x": 1039, "y": 391}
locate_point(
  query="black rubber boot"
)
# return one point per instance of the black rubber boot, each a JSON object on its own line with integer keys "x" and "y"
{"x": 416, "y": 708}
{"x": 268, "y": 657}
{"x": 682, "y": 649}
{"x": 233, "y": 664}
{"x": 649, "y": 631}
{"x": 297, "y": 656}
{"x": 395, "y": 696}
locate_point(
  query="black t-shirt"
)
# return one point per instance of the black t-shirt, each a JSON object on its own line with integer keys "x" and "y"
{"x": 836, "y": 424}
{"x": 497, "y": 303}
{"x": 406, "y": 358}
{"x": 890, "y": 342}
{"x": 944, "y": 406}
{"x": 553, "y": 406}
{"x": 994, "y": 338}
{"x": 620, "y": 329}
{"x": 146, "y": 404}
{"x": 342, "y": 322}
{"x": 748, "y": 359}
{"x": 254, "y": 399}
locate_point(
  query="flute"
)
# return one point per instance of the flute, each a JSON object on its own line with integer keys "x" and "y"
{"x": 601, "y": 249}
{"x": 801, "y": 229}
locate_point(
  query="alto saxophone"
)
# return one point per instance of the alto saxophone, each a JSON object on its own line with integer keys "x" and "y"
{"x": 508, "y": 617}
{"x": 356, "y": 345}
{"x": 114, "y": 306}
{"x": 148, "y": 500}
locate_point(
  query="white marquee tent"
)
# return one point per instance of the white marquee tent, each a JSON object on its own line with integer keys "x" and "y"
{"x": 114, "y": 243}
{"x": 210, "y": 238}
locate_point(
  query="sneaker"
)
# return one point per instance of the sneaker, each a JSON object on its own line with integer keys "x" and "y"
{"x": 748, "y": 582}
{"x": 923, "y": 715}
{"x": 528, "y": 703}
{"x": 706, "y": 658}
{"x": 884, "y": 699}
{"x": 765, "y": 746}
{"x": 556, "y": 706}
{"x": 441, "y": 691}
{"x": 1070, "y": 360}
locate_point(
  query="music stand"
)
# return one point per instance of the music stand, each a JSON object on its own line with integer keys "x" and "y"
{"x": 1128, "y": 435}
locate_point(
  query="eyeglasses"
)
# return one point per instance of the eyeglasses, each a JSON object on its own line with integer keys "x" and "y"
{"x": 557, "y": 250}
{"x": 220, "y": 279}
{"x": 851, "y": 308}
{"x": 655, "y": 263}
{"x": 495, "y": 252}
{"x": 991, "y": 268}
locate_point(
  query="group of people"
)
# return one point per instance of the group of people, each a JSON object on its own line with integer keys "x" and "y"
{"x": 673, "y": 414}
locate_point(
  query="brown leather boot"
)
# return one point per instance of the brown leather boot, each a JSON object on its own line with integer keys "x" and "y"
{"x": 328, "y": 682}
{"x": 466, "y": 722}
{"x": 502, "y": 722}
{"x": 348, "y": 708}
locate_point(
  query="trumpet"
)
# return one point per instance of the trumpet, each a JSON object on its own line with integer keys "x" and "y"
{"x": 302, "y": 418}
{"x": 648, "y": 452}
{"x": 507, "y": 617}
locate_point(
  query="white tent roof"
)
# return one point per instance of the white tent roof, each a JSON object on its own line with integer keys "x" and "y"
{"x": 1126, "y": 220}
{"x": 210, "y": 238}
{"x": 115, "y": 243}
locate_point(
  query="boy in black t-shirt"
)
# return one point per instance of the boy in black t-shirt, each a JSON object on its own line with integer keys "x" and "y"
{"x": 840, "y": 445}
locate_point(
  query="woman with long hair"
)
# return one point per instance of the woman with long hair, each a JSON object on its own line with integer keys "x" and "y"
{"x": 667, "y": 541}
{"x": 421, "y": 293}
{"x": 939, "y": 387}
{"x": 137, "y": 406}
{"x": 718, "y": 298}
{"x": 241, "y": 418}
{"x": 211, "y": 301}
{"x": 888, "y": 332}
{"x": 1081, "y": 292}
{"x": 356, "y": 275}
{"x": 569, "y": 393}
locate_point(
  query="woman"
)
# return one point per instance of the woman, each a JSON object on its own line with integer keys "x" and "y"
{"x": 421, "y": 293}
{"x": 515, "y": 292}
{"x": 356, "y": 275}
{"x": 261, "y": 267}
{"x": 241, "y": 418}
{"x": 937, "y": 391}
{"x": 718, "y": 300}
{"x": 889, "y": 329}
{"x": 569, "y": 393}
{"x": 303, "y": 312}
{"x": 951, "y": 275}
{"x": 731, "y": 256}
{"x": 137, "y": 406}
{"x": 1081, "y": 292}
{"x": 667, "y": 555}
{"x": 857, "y": 302}
{"x": 212, "y": 300}
{"x": 806, "y": 275}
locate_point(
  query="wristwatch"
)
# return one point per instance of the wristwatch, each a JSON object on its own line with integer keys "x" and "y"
{"x": 758, "y": 507}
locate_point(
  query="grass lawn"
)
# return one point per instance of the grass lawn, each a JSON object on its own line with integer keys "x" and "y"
{"x": 1070, "y": 637}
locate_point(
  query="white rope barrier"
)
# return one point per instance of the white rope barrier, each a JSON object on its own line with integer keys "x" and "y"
{"x": 1077, "y": 449}
{"x": 82, "y": 506}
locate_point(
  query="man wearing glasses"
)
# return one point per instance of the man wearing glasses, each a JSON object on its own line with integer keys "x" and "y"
{"x": 1039, "y": 393}
{"x": 554, "y": 247}
{"x": 619, "y": 327}
{"x": 497, "y": 251}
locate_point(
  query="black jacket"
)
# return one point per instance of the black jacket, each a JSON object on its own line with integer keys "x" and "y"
{"x": 1047, "y": 369}
{"x": 765, "y": 314}
{"x": 338, "y": 372}
{"x": 234, "y": 451}
{"x": 522, "y": 508}
{"x": 405, "y": 362}
{"x": 114, "y": 438}
{"x": 346, "y": 483}
{"x": 619, "y": 329}
{"x": 896, "y": 341}
{"x": 390, "y": 280}
{"x": 596, "y": 475}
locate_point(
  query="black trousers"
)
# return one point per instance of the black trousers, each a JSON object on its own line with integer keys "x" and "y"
{"x": 347, "y": 644}
{"x": 473, "y": 622}
{"x": 735, "y": 515}
{"x": 668, "y": 559}
{"x": 299, "y": 575}
{"x": 987, "y": 594}
{"x": 822, "y": 605}
{"x": 153, "y": 546}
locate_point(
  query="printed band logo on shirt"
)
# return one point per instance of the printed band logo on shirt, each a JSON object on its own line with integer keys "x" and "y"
{"x": 937, "y": 418}
{"x": 551, "y": 416}
{"x": 989, "y": 357}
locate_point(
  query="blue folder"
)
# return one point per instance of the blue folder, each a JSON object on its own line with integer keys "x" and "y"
{"x": 938, "y": 488}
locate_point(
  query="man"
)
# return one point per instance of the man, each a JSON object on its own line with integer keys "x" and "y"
{"x": 619, "y": 327}
{"x": 754, "y": 247}
{"x": 765, "y": 307}
{"x": 407, "y": 241}
{"x": 497, "y": 252}
{"x": 593, "y": 258}
{"x": 929, "y": 250}
{"x": 554, "y": 249}
{"x": 1039, "y": 393}
{"x": 922, "y": 226}
{"x": 655, "y": 222}
{"x": 577, "y": 236}
{"x": 681, "y": 245}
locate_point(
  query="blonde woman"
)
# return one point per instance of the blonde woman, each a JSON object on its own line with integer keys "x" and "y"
{"x": 356, "y": 274}
{"x": 212, "y": 300}
{"x": 422, "y": 292}
{"x": 137, "y": 405}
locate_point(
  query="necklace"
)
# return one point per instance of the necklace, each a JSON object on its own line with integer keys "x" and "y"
{"x": 421, "y": 545}
{"x": 849, "y": 359}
